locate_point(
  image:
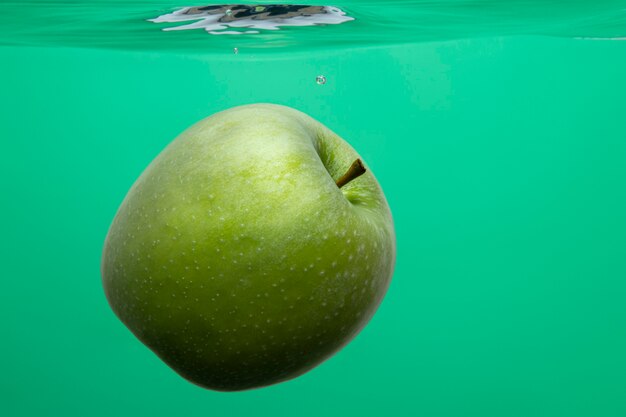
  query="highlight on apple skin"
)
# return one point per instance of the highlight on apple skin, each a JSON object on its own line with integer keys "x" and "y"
{"x": 251, "y": 249}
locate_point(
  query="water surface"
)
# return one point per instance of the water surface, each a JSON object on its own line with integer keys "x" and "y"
{"x": 126, "y": 25}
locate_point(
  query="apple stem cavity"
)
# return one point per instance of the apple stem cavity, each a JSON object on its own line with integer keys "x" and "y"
{"x": 356, "y": 170}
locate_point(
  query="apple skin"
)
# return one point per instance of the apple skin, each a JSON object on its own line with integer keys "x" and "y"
{"x": 237, "y": 259}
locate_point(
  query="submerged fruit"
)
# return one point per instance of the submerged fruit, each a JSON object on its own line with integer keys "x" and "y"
{"x": 238, "y": 259}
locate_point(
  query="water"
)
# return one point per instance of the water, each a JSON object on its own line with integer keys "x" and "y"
{"x": 495, "y": 128}
{"x": 122, "y": 24}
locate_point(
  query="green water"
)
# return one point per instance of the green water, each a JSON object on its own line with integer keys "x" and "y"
{"x": 122, "y": 24}
{"x": 497, "y": 134}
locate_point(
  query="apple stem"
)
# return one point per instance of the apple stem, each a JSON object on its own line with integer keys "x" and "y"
{"x": 356, "y": 170}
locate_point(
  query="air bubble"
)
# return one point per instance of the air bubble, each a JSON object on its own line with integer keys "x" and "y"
{"x": 320, "y": 80}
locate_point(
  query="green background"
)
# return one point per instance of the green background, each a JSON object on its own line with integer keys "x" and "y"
{"x": 503, "y": 160}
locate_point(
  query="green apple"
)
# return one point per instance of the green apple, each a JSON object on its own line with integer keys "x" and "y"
{"x": 251, "y": 249}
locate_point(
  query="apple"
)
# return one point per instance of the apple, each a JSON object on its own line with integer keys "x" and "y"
{"x": 255, "y": 246}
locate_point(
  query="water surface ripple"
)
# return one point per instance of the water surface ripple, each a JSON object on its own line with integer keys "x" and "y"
{"x": 127, "y": 24}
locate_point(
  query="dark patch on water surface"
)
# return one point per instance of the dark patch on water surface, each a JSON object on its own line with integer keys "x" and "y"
{"x": 242, "y": 17}
{"x": 232, "y": 12}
